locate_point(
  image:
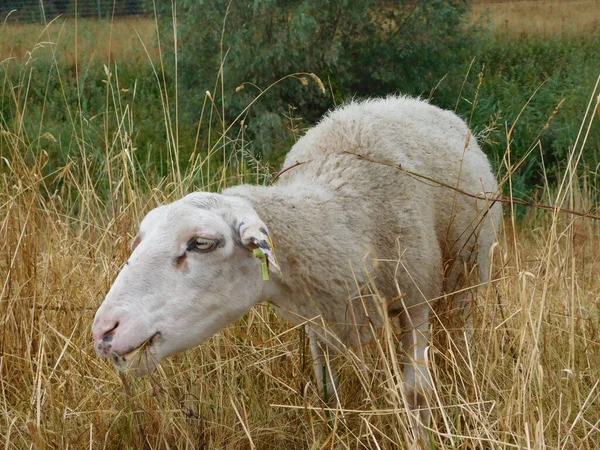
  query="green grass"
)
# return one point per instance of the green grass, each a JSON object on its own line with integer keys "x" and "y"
{"x": 540, "y": 86}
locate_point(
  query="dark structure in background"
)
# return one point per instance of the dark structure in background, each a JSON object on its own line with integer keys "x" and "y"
{"x": 47, "y": 10}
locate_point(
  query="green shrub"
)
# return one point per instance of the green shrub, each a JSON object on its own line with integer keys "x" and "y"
{"x": 359, "y": 47}
{"x": 559, "y": 68}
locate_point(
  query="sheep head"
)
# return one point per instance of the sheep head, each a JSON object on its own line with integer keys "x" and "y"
{"x": 191, "y": 272}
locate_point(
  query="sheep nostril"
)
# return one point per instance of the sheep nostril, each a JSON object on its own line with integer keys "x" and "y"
{"x": 107, "y": 334}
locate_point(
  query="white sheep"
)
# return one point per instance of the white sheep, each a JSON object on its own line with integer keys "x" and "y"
{"x": 330, "y": 225}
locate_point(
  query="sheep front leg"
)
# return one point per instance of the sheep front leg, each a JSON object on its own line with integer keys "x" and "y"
{"x": 417, "y": 380}
{"x": 325, "y": 373}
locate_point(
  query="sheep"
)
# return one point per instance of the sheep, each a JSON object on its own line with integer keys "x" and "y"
{"x": 331, "y": 224}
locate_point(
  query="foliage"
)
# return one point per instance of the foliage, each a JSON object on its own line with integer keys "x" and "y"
{"x": 265, "y": 41}
{"x": 534, "y": 76}
{"x": 77, "y": 110}
{"x": 363, "y": 47}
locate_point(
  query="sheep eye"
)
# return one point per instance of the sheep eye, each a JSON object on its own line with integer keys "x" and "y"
{"x": 201, "y": 245}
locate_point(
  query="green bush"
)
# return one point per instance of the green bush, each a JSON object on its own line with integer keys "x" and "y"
{"x": 558, "y": 68}
{"x": 358, "y": 47}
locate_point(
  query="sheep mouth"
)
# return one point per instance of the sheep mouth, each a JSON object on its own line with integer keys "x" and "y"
{"x": 139, "y": 351}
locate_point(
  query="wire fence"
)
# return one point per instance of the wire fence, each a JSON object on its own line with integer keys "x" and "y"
{"x": 46, "y": 10}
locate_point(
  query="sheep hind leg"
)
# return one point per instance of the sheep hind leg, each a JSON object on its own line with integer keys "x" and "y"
{"x": 485, "y": 241}
{"x": 468, "y": 299}
{"x": 325, "y": 373}
{"x": 456, "y": 286}
{"x": 417, "y": 380}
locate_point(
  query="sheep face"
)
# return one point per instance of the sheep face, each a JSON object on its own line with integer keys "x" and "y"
{"x": 191, "y": 272}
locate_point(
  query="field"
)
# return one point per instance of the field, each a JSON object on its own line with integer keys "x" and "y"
{"x": 126, "y": 39}
{"x": 129, "y": 39}
{"x": 77, "y": 176}
{"x": 539, "y": 17}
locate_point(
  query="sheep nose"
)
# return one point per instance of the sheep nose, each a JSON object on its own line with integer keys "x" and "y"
{"x": 103, "y": 333}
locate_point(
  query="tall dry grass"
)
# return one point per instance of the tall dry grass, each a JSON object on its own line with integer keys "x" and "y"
{"x": 545, "y": 18}
{"x": 529, "y": 378}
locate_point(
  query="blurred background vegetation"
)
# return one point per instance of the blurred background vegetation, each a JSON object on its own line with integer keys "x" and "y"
{"x": 70, "y": 84}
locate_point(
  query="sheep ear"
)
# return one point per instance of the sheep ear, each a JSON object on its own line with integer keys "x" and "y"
{"x": 254, "y": 234}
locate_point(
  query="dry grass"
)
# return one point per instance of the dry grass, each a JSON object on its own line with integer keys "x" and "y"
{"x": 529, "y": 379}
{"x": 82, "y": 40}
{"x": 539, "y": 17}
